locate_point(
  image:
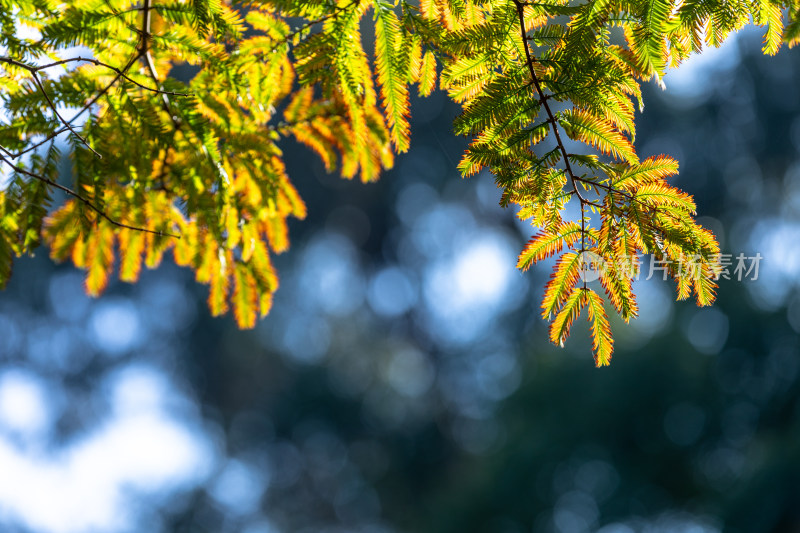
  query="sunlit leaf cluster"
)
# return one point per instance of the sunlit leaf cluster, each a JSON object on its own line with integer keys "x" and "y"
{"x": 113, "y": 156}
{"x": 549, "y": 93}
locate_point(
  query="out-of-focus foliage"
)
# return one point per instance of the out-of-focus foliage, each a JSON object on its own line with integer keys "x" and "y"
{"x": 393, "y": 369}
{"x": 195, "y": 167}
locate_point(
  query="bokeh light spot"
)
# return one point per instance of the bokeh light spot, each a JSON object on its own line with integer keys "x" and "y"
{"x": 392, "y": 292}
{"x": 115, "y": 326}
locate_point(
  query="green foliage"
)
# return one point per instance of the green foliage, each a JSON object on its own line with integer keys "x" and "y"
{"x": 196, "y": 167}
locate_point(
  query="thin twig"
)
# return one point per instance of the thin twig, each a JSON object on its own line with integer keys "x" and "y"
{"x": 60, "y": 118}
{"x": 552, "y": 120}
{"x": 654, "y": 211}
{"x": 86, "y": 107}
{"x": 142, "y": 51}
{"x": 605, "y": 186}
{"x": 87, "y": 60}
{"x": 35, "y": 75}
{"x": 84, "y": 200}
{"x": 543, "y": 98}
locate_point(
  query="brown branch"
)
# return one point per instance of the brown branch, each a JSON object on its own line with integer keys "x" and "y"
{"x": 520, "y": 6}
{"x": 608, "y": 188}
{"x": 142, "y": 51}
{"x": 86, "y": 107}
{"x": 653, "y": 210}
{"x": 35, "y": 75}
{"x": 543, "y": 99}
{"x": 87, "y": 60}
{"x": 67, "y": 125}
{"x": 84, "y": 200}
{"x": 551, "y": 118}
{"x": 611, "y": 190}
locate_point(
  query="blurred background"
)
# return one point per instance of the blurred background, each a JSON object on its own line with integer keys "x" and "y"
{"x": 404, "y": 382}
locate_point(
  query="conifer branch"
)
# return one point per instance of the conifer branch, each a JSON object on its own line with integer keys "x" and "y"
{"x": 85, "y": 108}
{"x": 631, "y": 198}
{"x": 88, "y": 203}
{"x": 543, "y": 98}
{"x": 38, "y": 82}
{"x": 219, "y": 164}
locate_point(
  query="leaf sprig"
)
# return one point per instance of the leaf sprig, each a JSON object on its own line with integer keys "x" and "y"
{"x": 549, "y": 92}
